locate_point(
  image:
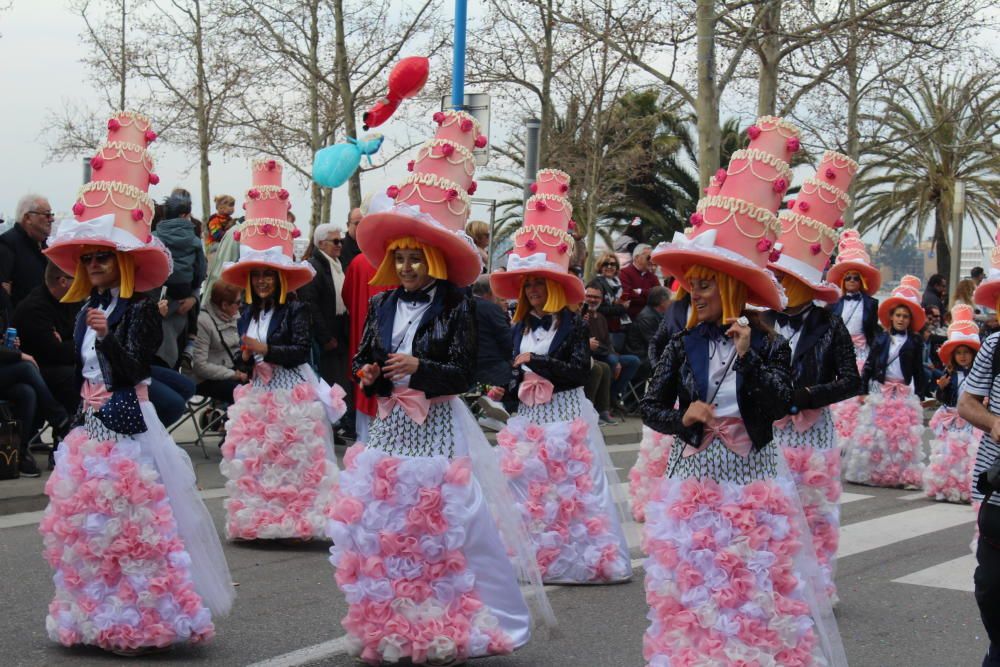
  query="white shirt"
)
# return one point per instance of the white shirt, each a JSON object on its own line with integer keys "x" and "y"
{"x": 404, "y": 328}
{"x": 854, "y": 316}
{"x": 337, "y": 272}
{"x": 895, "y": 371}
{"x": 719, "y": 354}
{"x": 538, "y": 341}
{"x": 257, "y": 329}
{"x": 88, "y": 349}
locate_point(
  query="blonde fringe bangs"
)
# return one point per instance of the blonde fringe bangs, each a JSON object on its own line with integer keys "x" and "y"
{"x": 388, "y": 277}
{"x": 732, "y": 291}
{"x": 81, "y": 287}
{"x": 555, "y": 302}
{"x": 798, "y": 292}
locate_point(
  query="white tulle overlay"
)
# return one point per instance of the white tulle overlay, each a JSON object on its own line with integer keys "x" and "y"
{"x": 418, "y": 550}
{"x": 557, "y": 468}
{"x": 278, "y": 458}
{"x": 731, "y": 576}
{"x": 137, "y": 558}
{"x": 886, "y": 447}
{"x": 649, "y": 469}
{"x": 845, "y": 413}
{"x": 948, "y": 475}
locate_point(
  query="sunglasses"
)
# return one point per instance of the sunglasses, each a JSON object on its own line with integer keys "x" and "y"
{"x": 854, "y": 279}
{"x": 612, "y": 265}
{"x": 100, "y": 257}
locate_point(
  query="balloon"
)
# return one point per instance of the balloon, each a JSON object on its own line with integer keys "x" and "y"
{"x": 406, "y": 79}
{"x": 333, "y": 165}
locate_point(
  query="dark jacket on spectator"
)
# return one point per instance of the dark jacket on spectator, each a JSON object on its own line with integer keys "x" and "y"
{"x": 642, "y": 332}
{"x": 637, "y": 286}
{"x": 188, "y": 253}
{"x": 38, "y": 319}
{"x": 674, "y": 321}
{"x": 321, "y": 297}
{"x": 613, "y": 312}
{"x": 931, "y": 298}
{"x": 349, "y": 249}
{"x": 21, "y": 263}
{"x": 493, "y": 346}
{"x": 598, "y": 327}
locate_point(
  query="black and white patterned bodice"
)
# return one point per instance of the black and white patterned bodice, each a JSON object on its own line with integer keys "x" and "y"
{"x": 718, "y": 463}
{"x": 820, "y": 435}
{"x": 565, "y": 406}
{"x": 282, "y": 378}
{"x": 399, "y": 435}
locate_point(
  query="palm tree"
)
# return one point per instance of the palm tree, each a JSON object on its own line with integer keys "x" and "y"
{"x": 938, "y": 130}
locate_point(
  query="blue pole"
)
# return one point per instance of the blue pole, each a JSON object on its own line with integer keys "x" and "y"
{"x": 458, "y": 68}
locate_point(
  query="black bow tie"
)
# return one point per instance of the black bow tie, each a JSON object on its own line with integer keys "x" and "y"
{"x": 853, "y": 297}
{"x": 710, "y": 330}
{"x": 100, "y": 299}
{"x": 793, "y": 321}
{"x": 899, "y": 333}
{"x": 544, "y": 322}
{"x": 415, "y": 297}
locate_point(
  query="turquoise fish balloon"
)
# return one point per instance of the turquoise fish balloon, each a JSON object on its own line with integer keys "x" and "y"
{"x": 333, "y": 165}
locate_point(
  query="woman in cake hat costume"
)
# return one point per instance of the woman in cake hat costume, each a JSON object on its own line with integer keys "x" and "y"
{"x": 859, "y": 280}
{"x": 138, "y": 563}
{"x": 824, "y": 368}
{"x": 278, "y": 453}
{"x": 552, "y": 452}
{"x": 731, "y": 575}
{"x": 886, "y": 448}
{"x": 948, "y": 475}
{"x": 421, "y": 506}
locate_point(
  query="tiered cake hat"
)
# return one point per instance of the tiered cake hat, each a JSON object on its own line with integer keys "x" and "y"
{"x": 852, "y": 256}
{"x": 735, "y": 226}
{"x": 266, "y": 235}
{"x": 809, "y": 225}
{"x": 432, "y": 203}
{"x": 907, "y": 294}
{"x": 962, "y": 331}
{"x": 988, "y": 291}
{"x": 113, "y": 210}
{"x": 542, "y": 247}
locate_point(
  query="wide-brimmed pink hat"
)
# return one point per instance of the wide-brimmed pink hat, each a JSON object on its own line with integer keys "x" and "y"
{"x": 432, "y": 203}
{"x": 543, "y": 246}
{"x": 266, "y": 235}
{"x": 988, "y": 291}
{"x": 114, "y": 210}
{"x": 735, "y": 226}
{"x": 810, "y": 224}
{"x": 907, "y": 294}
{"x": 853, "y": 256}
{"x": 963, "y": 330}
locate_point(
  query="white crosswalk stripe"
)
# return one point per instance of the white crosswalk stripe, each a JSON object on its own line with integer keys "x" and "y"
{"x": 954, "y": 574}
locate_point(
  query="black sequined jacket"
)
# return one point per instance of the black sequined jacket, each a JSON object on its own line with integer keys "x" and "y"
{"x": 674, "y": 320}
{"x": 289, "y": 335}
{"x": 126, "y": 353}
{"x": 948, "y": 395}
{"x": 763, "y": 385}
{"x": 567, "y": 364}
{"x": 824, "y": 365}
{"x": 445, "y": 342}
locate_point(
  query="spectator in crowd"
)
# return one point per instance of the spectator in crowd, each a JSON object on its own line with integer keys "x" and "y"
{"x": 978, "y": 275}
{"x": 479, "y": 232}
{"x": 936, "y": 293}
{"x": 933, "y": 368}
{"x": 623, "y": 366}
{"x": 494, "y": 344}
{"x": 220, "y": 222}
{"x": 578, "y": 260}
{"x": 217, "y": 344}
{"x": 350, "y": 248}
{"x": 178, "y": 234}
{"x": 22, "y": 263}
{"x": 598, "y": 391}
{"x": 644, "y": 329}
{"x": 614, "y": 302}
{"x": 326, "y": 304}
{"x": 638, "y": 278}
{"x": 934, "y": 323}
{"x": 963, "y": 295}
{"x": 45, "y": 327}
{"x": 23, "y": 387}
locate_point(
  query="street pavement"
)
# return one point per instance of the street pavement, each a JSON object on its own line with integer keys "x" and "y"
{"x": 904, "y": 578}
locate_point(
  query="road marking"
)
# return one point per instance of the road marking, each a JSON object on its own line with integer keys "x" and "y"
{"x": 856, "y": 538}
{"x": 955, "y": 575}
{"x": 919, "y": 495}
{"x": 614, "y": 449}
{"x": 306, "y": 655}
{"x": 852, "y": 497}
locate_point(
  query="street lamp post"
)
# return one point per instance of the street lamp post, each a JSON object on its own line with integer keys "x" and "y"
{"x": 958, "y": 216}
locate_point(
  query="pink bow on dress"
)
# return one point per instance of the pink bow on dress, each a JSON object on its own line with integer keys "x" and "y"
{"x": 859, "y": 340}
{"x": 95, "y": 395}
{"x": 264, "y": 371}
{"x": 895, "y": 390}
{"x": 730, "y": 430}
{"x": 534, "y": 390}
{"x": 414, "y": 403}
{"x": 803, "y": 420}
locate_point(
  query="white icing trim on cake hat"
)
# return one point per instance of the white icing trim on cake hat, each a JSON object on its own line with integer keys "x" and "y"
{"x": 752, "y": 155}
{"x": 465, "y": 157}
{"x": 425, "y": 178}
{"x": 119, "y": 148}
{"x": 734, "y": 205}
{"x": 111, "y": 187}
{"x": 550, "y": 174}
{"x": 779, "y": 124}
{"x": 840, "y": 160}
{"x": 840, "y": 198}
{"x": 799, "y": 219}
{"x": 532, "y": 203}
{"x": 537, "y": 230}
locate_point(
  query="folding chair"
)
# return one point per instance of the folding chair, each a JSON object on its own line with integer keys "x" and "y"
{"x": 195, "y": 408}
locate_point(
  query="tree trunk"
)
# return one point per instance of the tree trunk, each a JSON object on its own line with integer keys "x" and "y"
{"x": 346, "y": 98}
{"x": 201, "y": 113}
{"x": 769, "y": 53}
{"x": 707, "y": 103}
{"x": 546, "y": 102}
{"x": 121, "y": 81}
{"x": 853, "y": 101}
{"x": 315, "y": 140}
{"x": 942, "y": 225}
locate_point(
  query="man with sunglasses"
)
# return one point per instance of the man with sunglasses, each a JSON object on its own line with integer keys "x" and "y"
{"x": 22, "y": 264}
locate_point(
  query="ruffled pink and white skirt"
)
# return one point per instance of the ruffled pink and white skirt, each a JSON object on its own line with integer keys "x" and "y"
{"x": 278, "y": 458}
{"x": 814, "y": 461}
{"x": 654, "y": 451}
{"x": 137, "y": 559}
{"x": 417, "y": 549}
{"x": 731, "y": 578}
{"x": 554, "y": 458}
{"x": 845, "y": 413}
{"x": 948, "y": 475}
{"x": 886, "y": 447}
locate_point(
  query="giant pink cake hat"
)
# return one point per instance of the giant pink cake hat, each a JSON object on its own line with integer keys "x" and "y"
{"x": 432, "y": 203}
{"x": 907, "y": 294}
{"x": 114, "y": 210}
{"x": 542, "y": 247}
{"x": 810, "y": 224}
{"x": 963, "y": 330}
{"x": 853, "y": 256}
{"x": 266, "y": 235}
{"x": 735, "y": 226}
{"x": 988, "y": 291}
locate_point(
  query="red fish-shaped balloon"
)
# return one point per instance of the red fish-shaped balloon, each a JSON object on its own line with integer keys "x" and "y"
{"x": 406, "y": 79}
